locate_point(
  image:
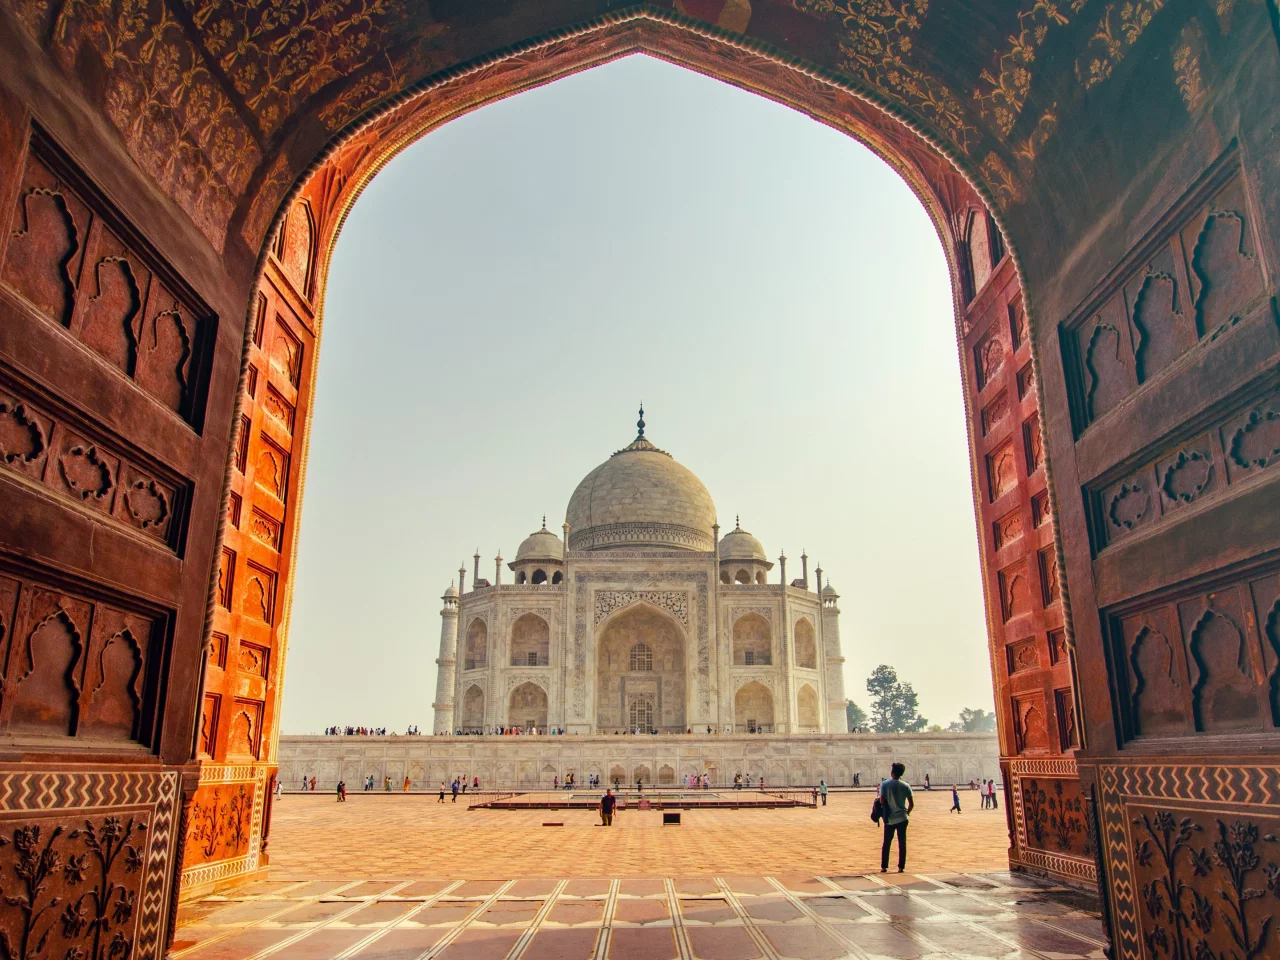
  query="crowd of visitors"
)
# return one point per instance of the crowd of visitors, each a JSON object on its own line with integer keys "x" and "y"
{"x": 413, "y": 731}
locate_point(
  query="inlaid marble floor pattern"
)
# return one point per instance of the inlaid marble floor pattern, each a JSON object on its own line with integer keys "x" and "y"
{"x": 938, "y": 916}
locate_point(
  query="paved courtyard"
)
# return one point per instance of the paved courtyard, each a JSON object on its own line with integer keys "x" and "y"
{"x": 405, "y": 878}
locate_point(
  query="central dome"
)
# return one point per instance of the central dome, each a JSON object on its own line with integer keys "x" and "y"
{"x": 641, "y": 497}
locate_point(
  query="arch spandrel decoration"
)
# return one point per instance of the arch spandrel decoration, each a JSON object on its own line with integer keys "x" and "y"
{"x": 229, "y": 171}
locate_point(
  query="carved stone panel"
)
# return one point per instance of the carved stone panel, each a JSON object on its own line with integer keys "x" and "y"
{"x": 69, "y": 258}
{"x": 90, "y": 854}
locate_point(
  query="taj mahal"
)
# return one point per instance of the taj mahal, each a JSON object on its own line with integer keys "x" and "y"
{"x": 640, "y": 617}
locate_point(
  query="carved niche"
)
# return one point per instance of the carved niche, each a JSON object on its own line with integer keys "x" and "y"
{"x": 1015, "y": 591}
{"x": 76, "y": 667}
{"x": 1007, "y": 529}
{"x": 1157, "y": 322}
{"x": 988, "y": 356}
{"x": 1226, "y": 276}
{"x": 1158, "y": 690}
{"x": 1002, "y": 470}
{"x": 1226, "y": 695}
{"x": 1032, "y": 443}
{"x": 1186, "y": 475}
{"x": 1207, "y": 662}
{"x": 1031, "y": 731}
{"x": 244, "y": 736}
{"x": 71, "y": 258}
{"x": 995, "y": 412}
{"x": 1108, "y": 375}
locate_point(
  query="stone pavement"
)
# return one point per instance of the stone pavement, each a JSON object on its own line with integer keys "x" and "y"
{"x": 316, "y": 909}
{"x": 379, "y": 836}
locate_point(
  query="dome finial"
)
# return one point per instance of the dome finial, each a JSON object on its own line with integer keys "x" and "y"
{"x": 737, "y": 521}
{"x": 544, "y": 521}
{"x": 640, "y": 422}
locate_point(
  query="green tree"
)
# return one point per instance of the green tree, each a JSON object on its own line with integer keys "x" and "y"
{"x": 974, "y": 721}
{"x": 854, "y": 716}
{"x": 895, "y": 705}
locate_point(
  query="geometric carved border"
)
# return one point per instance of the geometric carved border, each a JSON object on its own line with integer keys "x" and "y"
{"x": 85, "y": 791}
{"x": 1237, "y": 786}
{"x": 218, "y": 870}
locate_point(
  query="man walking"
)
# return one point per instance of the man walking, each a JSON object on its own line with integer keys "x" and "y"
{"x": 441, "y": 800}
{"x": 955, "y": 800}
{"x": 898, "y": 802}
{"x": 822, "y": 789}
{"x": 454, "y": 787}
{"x": 607, "y": 803}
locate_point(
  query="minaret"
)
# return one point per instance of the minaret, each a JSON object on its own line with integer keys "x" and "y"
{"x": 475, "y": 580}
{"x": 837, "y": 719}
{"x": 497, "y": 569}
{"x": 446, "y": 663}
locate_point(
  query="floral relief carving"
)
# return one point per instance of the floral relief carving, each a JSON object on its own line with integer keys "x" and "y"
{"x": 21, "y": 438}
{"x": 86, "y": 472}
{"x": 1256, "y": 443}
{"x": 1200, "y": 897}
{"x": 147, "y": 504}
{"x": 1128, "y": 507}
{"x": 1187, "y": 476}
{"x": 609, "y": 602}
{"x": 1055, "y": 816}
{"x": 73, "y": 893}
{"x": 219, "y": 823}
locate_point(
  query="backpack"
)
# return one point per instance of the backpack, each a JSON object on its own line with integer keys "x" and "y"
{"x": 877, "y": 810}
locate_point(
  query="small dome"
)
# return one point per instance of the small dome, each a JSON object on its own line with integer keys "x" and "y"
{"x": 451, "y": 590}
{"x": 541, "y": 545}
{"x": 737, "y": 544}
{"x": 829, "y": 591}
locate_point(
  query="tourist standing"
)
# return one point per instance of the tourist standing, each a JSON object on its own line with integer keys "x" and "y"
{"x": 822, "y": 789}
{"x": 406, "y": 784}
{"x": 279, "y": 789}
{"x": 313, "y": 783}
{"x": 955, "y": 800}
{"x": 454, "y": 786}
{"x": 441, "y": 800}
{"x": 607, "y": 803}
{"x": 926, "y": 782}
{"x": 898, "y": 802}
{"x": 994, "y": 804}
{"x": 386, "y": 784}
{"x": 342, "y": 791}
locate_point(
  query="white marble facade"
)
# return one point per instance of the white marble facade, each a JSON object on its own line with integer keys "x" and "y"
{"x": 648, "y": 620}
{"x": 527, "y": 763}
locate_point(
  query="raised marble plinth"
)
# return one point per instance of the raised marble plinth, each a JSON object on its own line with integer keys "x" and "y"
{"x": 527, "y": 762}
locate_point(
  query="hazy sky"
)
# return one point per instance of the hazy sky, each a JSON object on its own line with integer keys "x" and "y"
{"x": 509, "y": 288}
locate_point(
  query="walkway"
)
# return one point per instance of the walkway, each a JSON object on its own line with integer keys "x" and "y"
{"x": 347, "y": 883}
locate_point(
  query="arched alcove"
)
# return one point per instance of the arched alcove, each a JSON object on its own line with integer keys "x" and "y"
{"x": 806, "y": 648}
{"x": 807, "y": 712}
{"x": 640, "y": 657}
{"x": 752, "y": 641}
{"x": 753, "y": 709}
{"x": 530, "y": 641}
{"x": 477, "y": 652}
{"x": 473, "y": 708}
{"x": 527, "y": 707}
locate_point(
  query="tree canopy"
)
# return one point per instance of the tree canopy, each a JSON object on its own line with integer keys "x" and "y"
{"x": 854, "y": 716}
{"x": 894, "y": 704}
{"x": 974, "y": 720}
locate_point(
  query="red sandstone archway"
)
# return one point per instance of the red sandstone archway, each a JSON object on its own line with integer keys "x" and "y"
{"x": 1127, "y": 153}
